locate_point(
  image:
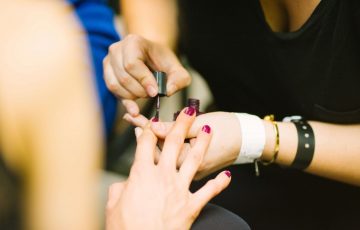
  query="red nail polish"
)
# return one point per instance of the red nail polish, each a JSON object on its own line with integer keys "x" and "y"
{"x": 228, "y": 173}
{"x": 190, "y": 111}
{"x": 206, "y": 129}
{"x": 155, "y": 119}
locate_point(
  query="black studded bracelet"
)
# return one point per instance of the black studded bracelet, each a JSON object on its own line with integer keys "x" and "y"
{"x": 306, "y": 145}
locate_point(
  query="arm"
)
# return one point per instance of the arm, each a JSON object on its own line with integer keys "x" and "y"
{"x": 153, "y": 29}
{"x": 155, "y": 20}
{"x": 337, "y": 149}
{"x": 49, "y": 118}
{"x": 336, "y": 156}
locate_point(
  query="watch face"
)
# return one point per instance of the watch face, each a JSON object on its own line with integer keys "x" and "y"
{"x": 293, "y": 118}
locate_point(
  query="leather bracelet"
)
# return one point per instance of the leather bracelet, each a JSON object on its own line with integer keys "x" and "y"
{"x": 306, "y": 145}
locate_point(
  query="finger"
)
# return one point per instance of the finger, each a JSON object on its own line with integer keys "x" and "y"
{"x": 211, "y": 189}
{"x": 139, "y": 120}
{"x": 129, "y": 83}
{"x": 175, "y": 139}
{"x": 114, "y": 86}
{"x": 178, "y": 78}
{"x": 131, "y": 107}
{"x": 114, "y": 194}
{"x": 196, "y": 154}
{"x": 134, "y": 63}
{"x": 139, "y": 71}
{"x": 164, "y": 59}
{"x": 138, "y": 132}
{"x": 146, "y": 145}
{"x": 161, "y": 129}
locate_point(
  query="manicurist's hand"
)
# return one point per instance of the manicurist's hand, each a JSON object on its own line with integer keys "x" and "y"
{"x": 156, "y": 195}
{"x": 128, "y": 70}
{"x": 224, "y": 146}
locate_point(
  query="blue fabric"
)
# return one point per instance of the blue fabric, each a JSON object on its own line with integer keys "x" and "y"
{"x": 98, "y": 21}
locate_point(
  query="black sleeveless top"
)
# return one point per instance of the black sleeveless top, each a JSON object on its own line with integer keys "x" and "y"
{"x": 313, "y": 72}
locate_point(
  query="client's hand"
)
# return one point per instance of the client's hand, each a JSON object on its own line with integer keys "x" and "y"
{"x": 157, "y": 196}
{"x": 127, "y": 70}
{"x": 224, "y": 146}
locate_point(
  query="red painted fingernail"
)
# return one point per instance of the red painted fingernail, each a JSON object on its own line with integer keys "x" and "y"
{"x": 155, "y": 119}
{"x": 228, "y": 173}
{"x": 206, "y": 129}
{"x": 190, "y": 111}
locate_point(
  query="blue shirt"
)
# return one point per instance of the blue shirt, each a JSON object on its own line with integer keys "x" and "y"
{"x": 97, "y": 20}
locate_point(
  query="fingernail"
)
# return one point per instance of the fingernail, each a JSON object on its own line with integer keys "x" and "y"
{"x": 206, "y": 129}
{"x": 127, "y": 117}
{"x": 155, "y": 119}
{"x": 137, "y": 131}
{"x": 190, "y": 111}
{"x": 228, "y": 173}
{"x": 151, "y": 91}
{"x": 132, "y": 111}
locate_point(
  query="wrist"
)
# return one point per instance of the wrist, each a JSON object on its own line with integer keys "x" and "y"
{"x": 252, "y": 138}
{"x": 270, "y": 141}
{"x": 288, "y": 142}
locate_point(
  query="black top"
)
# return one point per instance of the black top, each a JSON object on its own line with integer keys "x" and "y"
{"x": 313, "y": 72}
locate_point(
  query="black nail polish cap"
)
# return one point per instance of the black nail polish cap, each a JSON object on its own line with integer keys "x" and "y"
{"x": 161, "y": 82}
{"x": 195, "y": 103}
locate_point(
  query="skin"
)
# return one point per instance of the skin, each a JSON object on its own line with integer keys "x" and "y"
{"x": 168, "y": 203}
{"x": 51, "y": 135}
{"x": 158, "y": 26}
{"x": 331, "y": 139}
{"x": 337, "y": 153}
{"x": 48, "y": 112}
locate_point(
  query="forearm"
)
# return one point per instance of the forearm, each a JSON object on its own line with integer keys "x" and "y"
{"x": 155, "y": 20}
{"x": 336, "y": 154}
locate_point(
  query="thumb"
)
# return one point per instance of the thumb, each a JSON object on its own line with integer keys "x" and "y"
{"x": 178, "y": 78}
{"x": 164, "y": 59}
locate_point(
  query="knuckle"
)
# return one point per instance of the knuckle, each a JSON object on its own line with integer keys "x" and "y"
{"x": 112, "y": 86}
{"x": 134, "y": 38}
{"x": 113, "y": 47}
{"x": 197, "y": 158}
{"x": 129, "y": 65}
{"x": 124, "y": 80}
{"x": 143, "y": 80}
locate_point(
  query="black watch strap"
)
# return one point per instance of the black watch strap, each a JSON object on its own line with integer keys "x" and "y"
{"x": 306, "y": 145}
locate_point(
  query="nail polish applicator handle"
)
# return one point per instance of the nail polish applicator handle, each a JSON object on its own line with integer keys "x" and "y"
{"x": 161, "y": 83}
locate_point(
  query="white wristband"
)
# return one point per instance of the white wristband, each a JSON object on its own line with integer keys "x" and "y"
{"x": 253, "y": 138}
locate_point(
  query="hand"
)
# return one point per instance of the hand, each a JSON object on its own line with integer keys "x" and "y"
{"x": 127, "y": 70}
{"x": 224, "y": 146}
{"x": 157, "y": 196}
